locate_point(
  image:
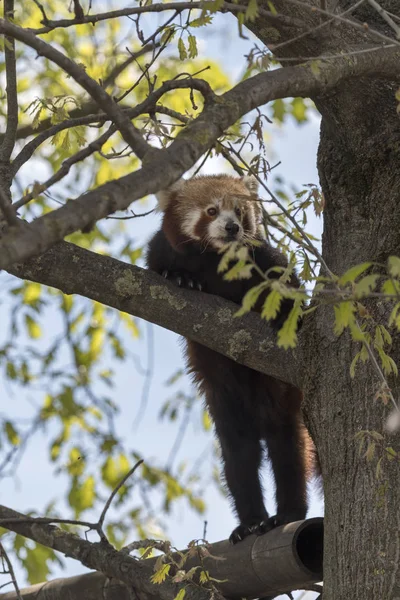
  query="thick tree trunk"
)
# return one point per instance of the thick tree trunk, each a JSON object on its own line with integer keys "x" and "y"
{"x": 359, "y": 168}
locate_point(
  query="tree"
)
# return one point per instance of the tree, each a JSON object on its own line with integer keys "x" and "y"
{"x": 344, "y": 57}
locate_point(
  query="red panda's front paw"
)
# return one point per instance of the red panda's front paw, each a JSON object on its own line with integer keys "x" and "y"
{"x": 182, "y": 279}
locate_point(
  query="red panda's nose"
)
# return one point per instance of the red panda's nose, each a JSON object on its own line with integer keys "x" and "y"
{"x": 232, "y": 228}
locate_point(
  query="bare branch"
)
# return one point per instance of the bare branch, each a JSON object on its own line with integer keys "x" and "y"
{"x": 128, "y": 131}
{"x": 11, "y": 89}
{"x": 99, "y": 556}
{"x": 115, "y": 491}
{"x": 149, "y": 104}
{"x": 118, "y": 69}
{"x": 156, "y": 8}
{"x": 190, "y": 144}
{"x": 4, "y": 556}
{"x": 198, "y": 316}
{"x": 386, "y": 17}
{"x": 65, "y": 168}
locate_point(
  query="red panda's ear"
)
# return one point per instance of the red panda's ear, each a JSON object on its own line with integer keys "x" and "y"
{"x": 165, "y": 196}
{"x": 251, "y": 183}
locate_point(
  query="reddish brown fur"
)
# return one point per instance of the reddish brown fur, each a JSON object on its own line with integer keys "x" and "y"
{"x": 247, "y": 407}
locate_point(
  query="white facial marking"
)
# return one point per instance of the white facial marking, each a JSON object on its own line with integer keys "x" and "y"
{"x": 217, "y": 231}
{"x": 189, "y": 223}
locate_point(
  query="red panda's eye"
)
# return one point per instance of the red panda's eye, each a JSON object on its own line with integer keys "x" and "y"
{"x": 211, "y": 211}
{"x": 238, "y": 211}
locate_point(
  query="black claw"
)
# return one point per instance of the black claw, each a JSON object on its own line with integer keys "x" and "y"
{"x": 182, "y": 279}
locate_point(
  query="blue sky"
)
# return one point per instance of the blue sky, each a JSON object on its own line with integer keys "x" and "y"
{"x": 35, "y": 484}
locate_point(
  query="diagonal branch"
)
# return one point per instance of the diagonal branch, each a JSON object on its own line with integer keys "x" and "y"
{"x": 11, "y": 89}
{"x": 99, "y": 556}
{"x": 166, "y": 166}
{"x": 203, "y": 318}
{"x": 128, "y": 131}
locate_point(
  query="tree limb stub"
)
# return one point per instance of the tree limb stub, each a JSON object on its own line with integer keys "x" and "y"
{"x": 286, "y": 558}
{"x": 166, "y": 166}
{"x": 201, "y": 317}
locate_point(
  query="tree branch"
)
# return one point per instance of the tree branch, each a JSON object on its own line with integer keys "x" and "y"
{"x": 260, "y": 565}
{"x": 156, "y": 8}
{"x": 11, "y": 88}
{"x": 99, "y": 556}
{"x": 128, "y": 131}
{"x": 203, "y": 318}
{"x": 149, "y": 104}
{"x": 166, "y": 166}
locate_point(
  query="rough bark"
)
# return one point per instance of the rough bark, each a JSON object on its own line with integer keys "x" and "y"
{"x": 203, "y": 318}
{"x": 287, "y": 558}
{"x": 359, "y": 168}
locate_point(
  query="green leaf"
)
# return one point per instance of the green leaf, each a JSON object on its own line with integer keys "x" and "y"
{"x": 278, "y": 110}
{"x": 299, "y": 109}
{"x": 351, "y": 275}
{"x": 11, "y": 433}
{"x": 365, "y": 286}
{"x": 252, "y": 11}
{"x": 206, "y": 420}
{"x": 167, "y": 35}
{"x": 394, "y": 266}
{"x": 182, "y": 50}
{"x": 272, "y": 305}
{"x": 353, "y": 365}
{"x": 180, "y": 595}
{"x": 287, "y": 335}
{"x": 32, "y": 293}
{"x": 250, "y": 298}
{"x": 315, "y": 67}
{"x": 391, "y": 287}
{"x": 391, "y": 453}
{"x": 344, "y": 315}
{"x": 203, "y": 20}
{"x": 82, "y": 495}
{"x": 204, "y": 576}
{"x": 239, "y": 271}
{"x": 33, "y": 327}
{"x": 160, "y": 575}
{"x": 192, "y": 46}
{"x": 394, "y": 318}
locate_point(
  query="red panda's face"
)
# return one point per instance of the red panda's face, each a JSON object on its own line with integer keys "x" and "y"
{"x": 212, "y": 211}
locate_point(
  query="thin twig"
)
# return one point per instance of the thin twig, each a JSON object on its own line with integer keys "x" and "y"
{"x": 312, "y": 30}
{"x": 115, "y": 491}
{"x": 156, "y": 8}
{"x": 385, "y": 16}
{"x": 128, "y": 131}
{"x": 354, "y": 24}
{"x": 11, "y": 88}
{"x": 65, "y": 168}
{"x": 149, "y": 104}
{"x": 118, "y": 69}
{"x": 5, "y": 557}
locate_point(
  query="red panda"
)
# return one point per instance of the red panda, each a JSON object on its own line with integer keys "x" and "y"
{"x": 249, "y": 409}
